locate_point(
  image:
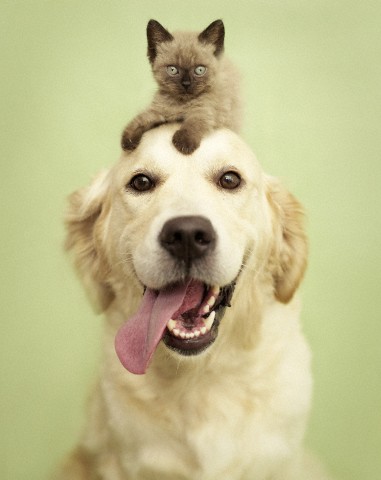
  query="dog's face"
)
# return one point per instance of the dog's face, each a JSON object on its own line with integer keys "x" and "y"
{"x": 183, "y": 227}
{"x": 177, "y": 217}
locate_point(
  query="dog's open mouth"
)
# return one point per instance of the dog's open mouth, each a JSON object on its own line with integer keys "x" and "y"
{"x": 185, "y": 316}
{"x": 194, "y": 326}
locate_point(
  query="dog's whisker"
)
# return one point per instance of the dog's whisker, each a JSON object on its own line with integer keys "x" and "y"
{"x": 128, "y": 259}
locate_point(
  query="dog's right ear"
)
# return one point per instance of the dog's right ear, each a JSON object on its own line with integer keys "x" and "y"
{"x": 85, "y": 224}
{"x": 289, "y": 255}
{"x": 156, "y": 34}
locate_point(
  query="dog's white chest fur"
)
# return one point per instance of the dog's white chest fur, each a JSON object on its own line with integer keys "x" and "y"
{"x": 239, "y": 420}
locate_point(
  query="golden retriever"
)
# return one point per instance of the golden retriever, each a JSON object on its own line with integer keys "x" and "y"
{"x": 195, "y": 260}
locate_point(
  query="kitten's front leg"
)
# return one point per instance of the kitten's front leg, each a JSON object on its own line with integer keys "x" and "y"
{"x": 134, "y": 131}
{"x": 188, "y": 138}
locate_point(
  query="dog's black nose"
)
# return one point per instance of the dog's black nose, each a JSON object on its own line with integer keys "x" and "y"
{"x": 188, "y": 238}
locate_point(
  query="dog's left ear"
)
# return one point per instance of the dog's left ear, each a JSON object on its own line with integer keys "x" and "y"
{"x": 289, "y": 255}
{"x": 85, "y": 229}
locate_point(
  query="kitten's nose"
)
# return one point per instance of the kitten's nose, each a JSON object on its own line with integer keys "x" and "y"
{"x": 186, "y": 81}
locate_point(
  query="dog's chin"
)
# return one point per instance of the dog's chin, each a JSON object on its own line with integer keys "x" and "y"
{"x": 192, "y": 334}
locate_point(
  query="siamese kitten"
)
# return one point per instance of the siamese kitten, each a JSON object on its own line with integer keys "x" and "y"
{"x": 198, "y": 86}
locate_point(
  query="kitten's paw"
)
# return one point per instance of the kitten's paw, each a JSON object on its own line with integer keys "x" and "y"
{"x": 131, "y": 139}
{"x": 128, "y": 144}
{"x": 184, "y": 142}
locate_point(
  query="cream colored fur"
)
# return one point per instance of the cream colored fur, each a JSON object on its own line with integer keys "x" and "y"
{"x": 237, "y": 411}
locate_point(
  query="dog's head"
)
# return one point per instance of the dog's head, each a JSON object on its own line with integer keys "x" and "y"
{"x": 183, "y": 230}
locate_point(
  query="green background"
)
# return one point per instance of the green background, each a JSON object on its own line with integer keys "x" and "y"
{"x": 72, "y": 74}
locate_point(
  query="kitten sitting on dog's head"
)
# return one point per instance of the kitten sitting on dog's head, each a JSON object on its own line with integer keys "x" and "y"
{"x": 197, "y": 86}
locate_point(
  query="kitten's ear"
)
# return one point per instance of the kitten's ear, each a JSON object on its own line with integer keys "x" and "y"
{"x": 215, "y": 35}
{"x": 156, "y": 34}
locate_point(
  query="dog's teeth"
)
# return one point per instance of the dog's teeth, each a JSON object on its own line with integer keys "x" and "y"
{"x": 171, "y": 325}
{"x": 206, "y": 309}
{"x": 209, "y": 321}
{"x": 197, "y": 332}
{"x": 211, "y": 301}
{"x": 216, "y": 290}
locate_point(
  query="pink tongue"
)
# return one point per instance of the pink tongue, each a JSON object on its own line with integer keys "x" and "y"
{"x": 138, "y": 338}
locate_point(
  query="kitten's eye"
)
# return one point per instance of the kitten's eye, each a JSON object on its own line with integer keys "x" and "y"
{"x": 230, "y": 180}
{"x": 141, "y": 183}
{"x": 200, "y": 70}
{"x": 172, "y": 70}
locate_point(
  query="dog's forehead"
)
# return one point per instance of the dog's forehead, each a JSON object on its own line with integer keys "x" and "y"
{"x": 221, "y": 149}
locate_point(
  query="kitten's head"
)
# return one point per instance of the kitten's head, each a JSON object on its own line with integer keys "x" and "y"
{"x": 185, "y": 64}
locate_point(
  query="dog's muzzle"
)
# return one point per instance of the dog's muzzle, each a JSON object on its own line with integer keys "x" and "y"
{"x": 186, "y": 312}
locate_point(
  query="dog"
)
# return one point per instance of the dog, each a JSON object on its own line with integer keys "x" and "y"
{"x": 195, "y": 261}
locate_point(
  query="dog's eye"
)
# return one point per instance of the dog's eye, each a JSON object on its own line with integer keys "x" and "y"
{"x": 141, "y": 183}
{"x": 230, "y": 180}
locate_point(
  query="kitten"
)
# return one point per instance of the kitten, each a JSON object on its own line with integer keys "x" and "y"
{"x": 198, "y": 86}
